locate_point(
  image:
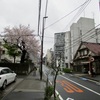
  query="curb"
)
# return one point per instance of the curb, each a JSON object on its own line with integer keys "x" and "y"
{"x": 14, "y": 88}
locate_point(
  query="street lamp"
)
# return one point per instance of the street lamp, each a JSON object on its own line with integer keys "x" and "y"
{"x": 44, "y": 18}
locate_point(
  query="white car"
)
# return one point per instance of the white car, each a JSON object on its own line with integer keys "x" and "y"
{"x": 6, "y": 76}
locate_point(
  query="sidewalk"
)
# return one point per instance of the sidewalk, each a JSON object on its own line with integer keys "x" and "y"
{"x": 31, "y": 88}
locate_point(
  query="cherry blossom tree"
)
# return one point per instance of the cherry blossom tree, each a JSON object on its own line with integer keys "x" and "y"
{"x": 23, "y": 37}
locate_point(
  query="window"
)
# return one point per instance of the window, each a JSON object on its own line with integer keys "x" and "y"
{"x": 85, "y": 52}
{"x": 5, "y": 71}
{"x": 81, "y": 53}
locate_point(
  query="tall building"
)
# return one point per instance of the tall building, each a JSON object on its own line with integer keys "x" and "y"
{"x": 82, "y": 31}
{"x": 67, "y": 52}
{"x": 67, "y": 43}
{"x": 59, "y": 47}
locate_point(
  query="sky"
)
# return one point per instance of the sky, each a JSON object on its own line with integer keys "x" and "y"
{"x": 25, "y": 12}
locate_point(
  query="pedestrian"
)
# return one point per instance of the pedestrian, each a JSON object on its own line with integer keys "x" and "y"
{"x": 91, "y": 59}
{"x": 34, "y": 71}
{"x": 90, "y": 69}
{"x": 94, "y": 71}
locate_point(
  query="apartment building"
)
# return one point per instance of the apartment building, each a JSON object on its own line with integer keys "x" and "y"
{"x": 67, "y": 51}
{"x": 66, "y": 43}
{"x": 59, "y": 47}
{"x": 83, "y": 30}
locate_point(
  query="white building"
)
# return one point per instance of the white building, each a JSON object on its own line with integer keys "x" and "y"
{"x": 67, "y": 54}
{"x": 4, "y": 55}
{"x": 59, "y": 47}
{"x": 83, "y": 30}
{"x": 49, "y": 57}
{"x": 68, "y": 42}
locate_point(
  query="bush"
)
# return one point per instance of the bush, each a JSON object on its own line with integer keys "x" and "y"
{"x": 48, "y": 92}
{"x": 67, "y": 70}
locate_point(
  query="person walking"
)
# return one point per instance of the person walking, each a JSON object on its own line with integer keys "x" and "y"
{"x": 91, "y": 59}
{"x": 94, "y": 71}
{"x": 34, "y": 71}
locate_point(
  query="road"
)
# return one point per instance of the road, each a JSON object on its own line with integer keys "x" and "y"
{"x": 10, "y": 87}
{"x": 70, "y": 87}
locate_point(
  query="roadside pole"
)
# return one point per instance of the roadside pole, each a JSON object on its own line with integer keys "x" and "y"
{"x": 42, "y": 47}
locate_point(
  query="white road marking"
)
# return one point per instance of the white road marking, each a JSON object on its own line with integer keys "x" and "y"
{"x": 81, "y": 85}
{"x": 69, "y": 99}
{"x": 56, "y": 90}
{"x": 59, "y": 95}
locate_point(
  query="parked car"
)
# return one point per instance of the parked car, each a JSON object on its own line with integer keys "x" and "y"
{"x": 6, "y": 76}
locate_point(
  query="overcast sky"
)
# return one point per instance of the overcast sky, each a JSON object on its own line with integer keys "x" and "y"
{"x": 15, "y": 12}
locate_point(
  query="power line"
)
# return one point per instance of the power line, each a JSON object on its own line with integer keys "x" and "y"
{"x": 79, "y": 12}
{"x": 66, "y": 15}
{"x": 77, "y": 41}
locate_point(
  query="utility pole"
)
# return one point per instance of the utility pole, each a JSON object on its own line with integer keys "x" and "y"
{"x": 39, "y": 16}
{"x": 42, "y": 38}
{"x": 97, "y": 36}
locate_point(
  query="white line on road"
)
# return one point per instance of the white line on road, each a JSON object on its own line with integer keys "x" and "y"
{"x": 59, "y": 95}
{"x": 81, "y": 85}
{"x": 69, "y": 99}
{"x": 56, "y": 90}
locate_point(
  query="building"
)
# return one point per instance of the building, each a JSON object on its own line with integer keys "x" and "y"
{"x": 83, "y": 30}
{"x": 67, "y": 55}
{"x": 4, "y": 57}
{"x": 49, "y": 58}
{"x": 66, "y": 43}
{"x": 59, "y": 47}
{"x": 82, "y": 57}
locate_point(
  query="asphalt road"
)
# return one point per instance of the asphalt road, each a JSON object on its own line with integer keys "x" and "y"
{"x": 70, "y": 87}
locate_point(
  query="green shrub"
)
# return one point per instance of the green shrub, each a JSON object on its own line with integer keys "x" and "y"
{"x": 67, "y": 70}
{"x": 48, "y": 92}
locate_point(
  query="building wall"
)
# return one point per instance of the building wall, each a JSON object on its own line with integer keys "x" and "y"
{"x": 80, "y": 32}
{"x": 97, "y": 37}
{"x": 85, "y": 25}
{"x": 4, "y": 55}
{"x": 67, "y": 54}
{"x": 68, "y": 42}
{"x": 59, "y": 46}
{"x": 49, "y": 57}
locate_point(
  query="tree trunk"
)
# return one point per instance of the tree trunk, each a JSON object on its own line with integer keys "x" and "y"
{"x": 23, "y": 56}
{"x": 14, "y": 58}
{"x": 55, "y": 84}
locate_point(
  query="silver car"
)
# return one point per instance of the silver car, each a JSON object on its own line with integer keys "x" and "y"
{"x": 6, "y": 76}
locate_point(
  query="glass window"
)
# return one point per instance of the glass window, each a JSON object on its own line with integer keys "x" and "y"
{"x": 5, "y": 71}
